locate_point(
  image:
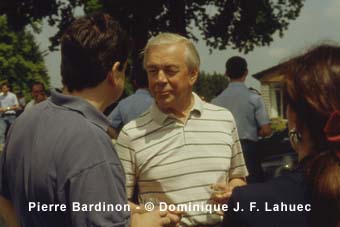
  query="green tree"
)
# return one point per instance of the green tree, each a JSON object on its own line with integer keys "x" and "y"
{"x": 209, "y": 86}
{"x": 240, "y": 24}
{"x": 21, "y": 62}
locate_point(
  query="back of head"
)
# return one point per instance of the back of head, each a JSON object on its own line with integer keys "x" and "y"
{"x": 89, "y": 48}
{"x": 236, "y": 67}
{"x": 191, "y": 54}
{"x": 312, "y": 84}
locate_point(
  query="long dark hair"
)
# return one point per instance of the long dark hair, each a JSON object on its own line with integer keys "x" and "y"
{"x": 312, "y": 89}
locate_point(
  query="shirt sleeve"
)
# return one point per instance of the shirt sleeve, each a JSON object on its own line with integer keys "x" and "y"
{"x": 127, "y": 156}
{"x": 116, "y": 117}
{"x": 29, "y": 105}
{"x": 15, "y": 100}
{"x": 237, "y": 164}
{"x": 103, "y": 185}
{"x": 260, "y": 112}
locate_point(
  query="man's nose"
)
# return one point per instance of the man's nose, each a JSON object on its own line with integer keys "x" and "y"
{"x": 161, "y": 77}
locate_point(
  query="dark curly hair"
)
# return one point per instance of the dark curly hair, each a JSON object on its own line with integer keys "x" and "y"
{"x": 89, "y": 48}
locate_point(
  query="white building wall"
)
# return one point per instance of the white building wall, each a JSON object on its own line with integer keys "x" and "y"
{"x": 265, "y": 91}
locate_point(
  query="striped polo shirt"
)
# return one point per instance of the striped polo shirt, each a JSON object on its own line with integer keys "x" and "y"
{"x": 177, "y": 162}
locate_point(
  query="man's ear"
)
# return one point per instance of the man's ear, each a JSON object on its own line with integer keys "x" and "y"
{"x": 117, "y": 67}
{"x": 193, "y": 76}
{"x": 114, "y": 73}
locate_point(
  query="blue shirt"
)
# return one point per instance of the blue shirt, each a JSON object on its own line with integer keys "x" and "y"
{"x": 247, "y": 108}
{"x": 59, "y": 153}
{"x": 130, "y": 108}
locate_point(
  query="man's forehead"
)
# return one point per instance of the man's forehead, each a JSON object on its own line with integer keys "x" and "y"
{"x": 171, "y": 48}
{"x": 167, "y": 65}
{"x": 166, "y": 55}
{"x": 37, "y": 86}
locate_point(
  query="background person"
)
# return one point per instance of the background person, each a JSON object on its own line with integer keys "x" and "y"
{"x": 249, "y": 112}
{"x": 134, "y": 105}
{"x": 312, "y": 83}
{"x": 38, "y": 95}
{"x": 8, "y": 106}
{"x": 21, "y": 100}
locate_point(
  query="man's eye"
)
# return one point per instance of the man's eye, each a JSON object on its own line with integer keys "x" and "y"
{"x": 171, "y": 72}
{"x": 152, "y": 71}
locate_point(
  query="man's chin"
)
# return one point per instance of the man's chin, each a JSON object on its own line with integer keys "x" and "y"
{"x": 164, "y": 104}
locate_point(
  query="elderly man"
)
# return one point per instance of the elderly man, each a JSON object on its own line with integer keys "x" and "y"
{"x": 181, "y": 146}
{"x": 59, "y": 154}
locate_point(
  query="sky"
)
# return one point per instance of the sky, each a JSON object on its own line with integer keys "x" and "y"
{"x": 319, "y": 21}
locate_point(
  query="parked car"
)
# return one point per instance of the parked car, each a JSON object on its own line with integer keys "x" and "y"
{"x": 277, "y": 155}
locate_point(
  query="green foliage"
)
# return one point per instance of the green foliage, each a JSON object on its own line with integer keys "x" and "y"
{"x": 210, "y": 85}
{"x": 240, "y": 24}
{"x": 93, "y": 5}
{"x": 244, "y": 24}
{"x": 21, "y": 62}
{"x": 128, "y": 87}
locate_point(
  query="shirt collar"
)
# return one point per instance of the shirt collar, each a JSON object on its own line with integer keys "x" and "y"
{"x": 142, "y": 91}
{"x": 237, "y": 84}
{"x": 160, "y": 117}
{"x": 198, "y": 104}
{"x": 81, "y": 106}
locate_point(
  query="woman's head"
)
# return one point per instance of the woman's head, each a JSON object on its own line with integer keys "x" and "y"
{"x": 312, "y": 89}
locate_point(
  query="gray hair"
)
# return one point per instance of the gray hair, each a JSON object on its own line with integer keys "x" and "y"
{"x": 192, "y": 58}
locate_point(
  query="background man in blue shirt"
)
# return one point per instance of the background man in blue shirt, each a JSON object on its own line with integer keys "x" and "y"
{"x": 134, "y": 105}
{"x": 249, "y": 112}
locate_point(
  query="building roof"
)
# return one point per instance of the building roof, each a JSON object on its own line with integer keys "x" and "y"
{"x": 270, "y": 75}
